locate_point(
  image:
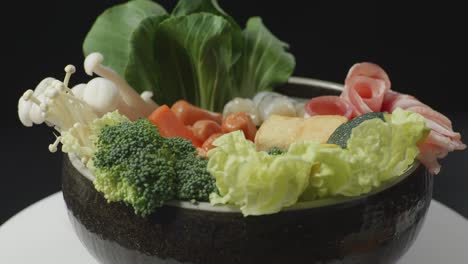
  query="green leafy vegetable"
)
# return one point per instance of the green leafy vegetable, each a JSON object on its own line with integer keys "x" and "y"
{"x": 254, "y": 180}
{"x": 112, "y": 32}
{"x": 141, "y": 65}
{"x": 331, "y": 173}
{"x": 263, "y": 184}
{"x": 204, "y": 42}
{"x": 198, "y": 53}
{"x": 377, "y": 151}
{"x": 187, "y": 7}
{"x": 264, "y": 62}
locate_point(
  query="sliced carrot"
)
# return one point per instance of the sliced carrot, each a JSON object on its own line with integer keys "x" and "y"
{"x": 189, "y": 114}
{"x": 191, "y": 129}
{"x": 170, "y": 126}
{"x": 203, "y": 129}
{"x": 240, "y": 121}
{"x": 208, "y": 144}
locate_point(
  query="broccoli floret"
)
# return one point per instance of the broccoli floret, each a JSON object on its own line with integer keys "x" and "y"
{"x": 275, "y": 151}
{"x": 131, "y": 165}
{"x": 181, "y": 148}
{"x": 194, "y": 182}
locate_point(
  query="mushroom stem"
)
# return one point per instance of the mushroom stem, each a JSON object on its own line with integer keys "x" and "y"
{"x": 69, "y": 69}
{"x": 127, "y": 111}
{"x": 129, "y": 95}
{"x": 53, "y": 146}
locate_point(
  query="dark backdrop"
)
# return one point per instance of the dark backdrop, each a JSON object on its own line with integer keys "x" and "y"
{"x": 421, "y": 47}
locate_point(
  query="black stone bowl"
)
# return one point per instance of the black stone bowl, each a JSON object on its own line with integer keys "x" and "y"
{"x": 376, "y": 228}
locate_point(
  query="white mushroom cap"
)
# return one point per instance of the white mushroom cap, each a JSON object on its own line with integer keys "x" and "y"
{"x": 70, "y": 69}
{"x": 29, "y": 111}
{"x": 92, "y": 61}
{"x": 24, "y": 108}
{"x": 102, "y": 95}
{"x": 78, "y": 90}
{"x": 147, "y": 97}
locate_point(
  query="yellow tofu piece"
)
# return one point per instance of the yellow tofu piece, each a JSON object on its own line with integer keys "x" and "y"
{"x": 282, "y": 131}
{"x": 319, "y": 127}
{"x": 277, "y": 131}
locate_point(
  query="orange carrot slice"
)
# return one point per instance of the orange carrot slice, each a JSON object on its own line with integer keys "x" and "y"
{"x": 240, "y": 121}
{"x": 170, "y": 126}
{"x": 202, "y": 129}
{"x": 208, "y": 144}
{"x": 189, "y": 114}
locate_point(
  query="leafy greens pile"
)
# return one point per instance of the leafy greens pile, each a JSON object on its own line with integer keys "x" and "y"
{"x": 197, "y": 52}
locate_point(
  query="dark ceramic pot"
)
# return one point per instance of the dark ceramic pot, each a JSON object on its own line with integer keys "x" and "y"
{"x": 376, "y": 228}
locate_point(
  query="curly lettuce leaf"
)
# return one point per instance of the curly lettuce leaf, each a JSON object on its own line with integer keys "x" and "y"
{"x": 112, "y": 32}
{"x": 331, "y": 174}
{"x": 255, "y": 181}
{"x": 377, "y": 152}
{"x": 408, "y": 129}
{"x": 259, "y": 183}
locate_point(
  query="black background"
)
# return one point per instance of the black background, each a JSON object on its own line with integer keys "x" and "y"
{"x": 422, "y": 48}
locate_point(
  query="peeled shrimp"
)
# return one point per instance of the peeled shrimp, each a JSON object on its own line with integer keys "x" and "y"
{"x": 300, "y": 109}
{"x": 243, "y": 105}
{"x": 270, "y": 103}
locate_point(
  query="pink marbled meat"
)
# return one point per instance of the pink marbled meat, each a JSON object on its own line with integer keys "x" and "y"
{"x": 428, "y": 155}
{"x": 365, "y": 87}
{"x": 329, "y": 105}
{"x": 370, "y": 70}
{"x": 393, "y": 100}
{"x": 432, "y": 115}
{"x": 440, "y": 141}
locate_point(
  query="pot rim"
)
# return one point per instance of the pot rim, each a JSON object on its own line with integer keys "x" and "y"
{"x": 206, "y": 206}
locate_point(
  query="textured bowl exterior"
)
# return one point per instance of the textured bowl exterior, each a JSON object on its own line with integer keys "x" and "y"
{"x": 378, "y": 228}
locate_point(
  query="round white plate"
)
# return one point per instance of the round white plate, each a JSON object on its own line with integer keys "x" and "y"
{"x": 42, "y": 234}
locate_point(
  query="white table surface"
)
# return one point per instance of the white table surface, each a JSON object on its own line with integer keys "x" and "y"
{"x": 42, "y": 234}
